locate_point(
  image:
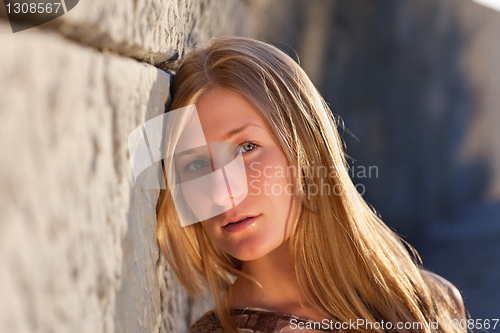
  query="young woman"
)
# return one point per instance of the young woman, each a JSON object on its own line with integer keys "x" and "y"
{"x": 301, "y": 249}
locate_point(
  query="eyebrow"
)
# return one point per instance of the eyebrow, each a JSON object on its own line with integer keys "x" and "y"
{"x": 192, "y": 151}
{"x": 238, "y": 130}
{"x": 229, "y": 135}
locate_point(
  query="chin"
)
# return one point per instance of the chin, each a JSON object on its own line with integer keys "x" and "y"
{"x": 246, "y": 256}
{"x": 249, "y": 253}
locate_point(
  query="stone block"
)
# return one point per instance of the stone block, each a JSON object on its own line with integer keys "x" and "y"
{"x": 151, "y": 30}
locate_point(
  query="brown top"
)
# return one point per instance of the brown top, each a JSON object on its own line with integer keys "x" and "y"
{"x": 256, "y": 320}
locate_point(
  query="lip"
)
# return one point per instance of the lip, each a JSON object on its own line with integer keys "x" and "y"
{"x": 240, "y": 225}
{"x": 236, "y": 218}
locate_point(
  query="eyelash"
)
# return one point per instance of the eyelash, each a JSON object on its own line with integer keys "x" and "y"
{"x": 247, "y": 142}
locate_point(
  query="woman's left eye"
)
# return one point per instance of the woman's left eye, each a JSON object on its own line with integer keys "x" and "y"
{"x": 247, "y": 146}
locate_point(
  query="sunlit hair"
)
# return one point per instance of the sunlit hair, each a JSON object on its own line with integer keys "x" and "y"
{"x": 347, "y": 260}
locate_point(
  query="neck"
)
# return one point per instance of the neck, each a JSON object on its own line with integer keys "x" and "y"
{"x": 276, "y": 273}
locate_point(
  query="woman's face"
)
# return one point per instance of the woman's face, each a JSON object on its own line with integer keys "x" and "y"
{"x": 270, "y": 193}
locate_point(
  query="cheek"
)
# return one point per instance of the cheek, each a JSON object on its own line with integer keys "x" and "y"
{"x": 209, "y": 226}
{"x": 270, "y": 175}
{"x": 212, "y": 235}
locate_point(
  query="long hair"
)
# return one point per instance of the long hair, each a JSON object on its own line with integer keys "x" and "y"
{"x": 348, "y": 262}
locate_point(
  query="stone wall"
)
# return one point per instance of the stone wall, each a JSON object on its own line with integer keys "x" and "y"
{"x": 78, "y": 248}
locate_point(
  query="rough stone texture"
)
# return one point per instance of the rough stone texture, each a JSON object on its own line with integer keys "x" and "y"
{"x": 151, "y": 30}
{"x": 77, "y": 239}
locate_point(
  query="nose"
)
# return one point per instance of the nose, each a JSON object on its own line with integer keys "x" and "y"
{"x": 220, "y": 189}
{"x": 229, "y": 179}
{"x": 238, "y": 186}
{"x": 236, "y": 178}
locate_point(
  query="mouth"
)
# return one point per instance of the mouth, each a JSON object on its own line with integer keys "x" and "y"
{"x": 242, "y": 219}
{"x": 241, "y": 224}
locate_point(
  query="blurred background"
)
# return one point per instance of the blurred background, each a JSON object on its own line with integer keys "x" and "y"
{"x": 416, "y": 84}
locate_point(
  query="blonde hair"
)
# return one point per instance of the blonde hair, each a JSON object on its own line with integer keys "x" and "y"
{"x": 348, "y": 262}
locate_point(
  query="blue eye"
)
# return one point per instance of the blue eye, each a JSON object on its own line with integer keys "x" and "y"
{"x": 195, "y": 166}
{"x": 247, "y": 146}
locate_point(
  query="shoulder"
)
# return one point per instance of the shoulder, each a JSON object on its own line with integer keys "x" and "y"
{"x": 441, "y": 283}
{"x": 208, "y": 323}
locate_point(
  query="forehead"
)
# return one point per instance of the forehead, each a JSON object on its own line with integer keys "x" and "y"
{"x": 221, "y": 110}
